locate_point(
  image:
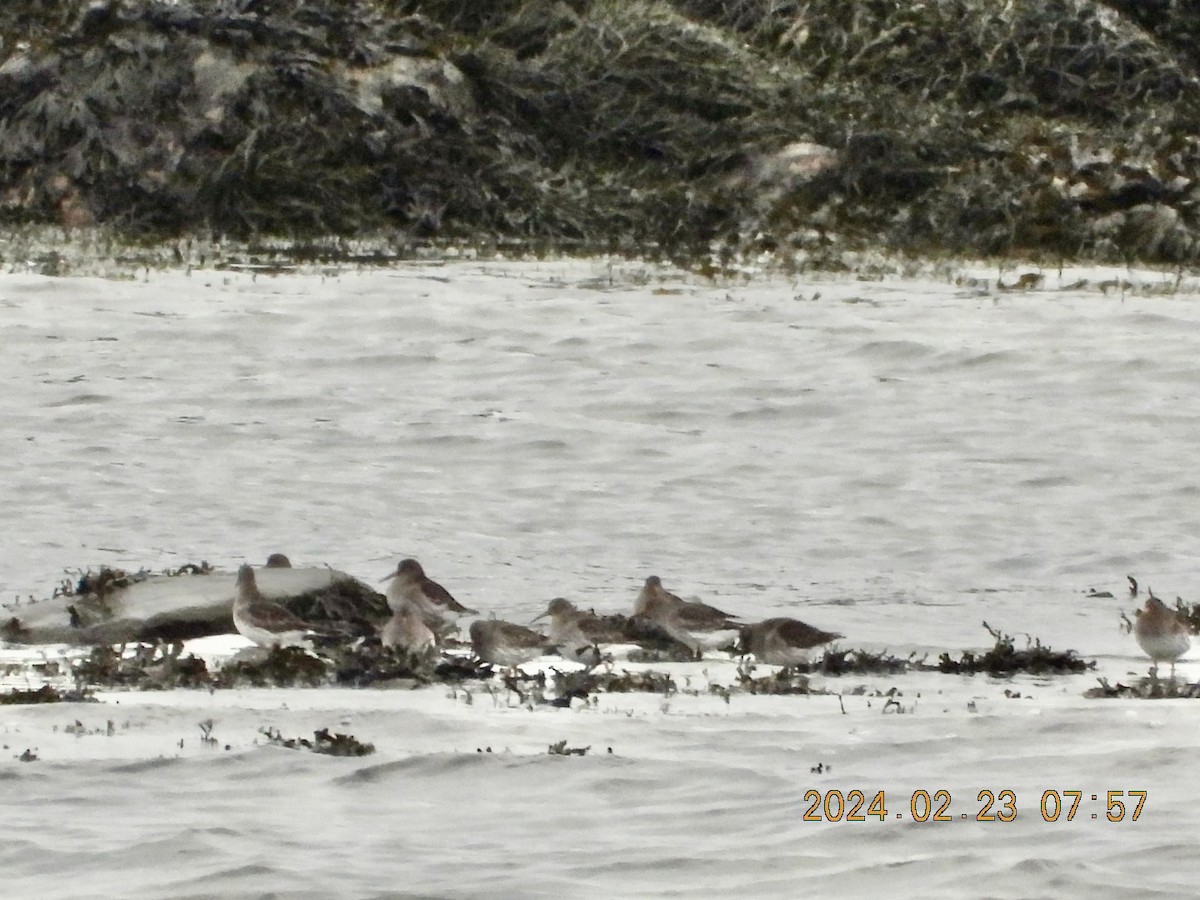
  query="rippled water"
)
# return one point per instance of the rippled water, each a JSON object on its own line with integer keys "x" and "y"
{"x": 895, "y": 460}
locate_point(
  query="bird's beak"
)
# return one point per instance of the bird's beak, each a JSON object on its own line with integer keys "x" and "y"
{"x": 388, "y": 577}
{"x": 542, "y": 616}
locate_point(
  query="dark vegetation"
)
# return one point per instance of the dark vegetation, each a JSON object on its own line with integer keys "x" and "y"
{"x": 560, "y": 748}
{"x": 1189, "y": 613}
{"x": 282, "y": 667}
{"x": 346, "y": 608}
{"x": 149, "y": 668}
{"x": 782, "y": 681}
{"x": 335, "y": 744}
{"x": 43, "y": 694}
{"x": 1151, "y": 688}
{"x": 361, "y": 663}
{"x": 1061, "y": 129}
{"x": 1005, "y": 659}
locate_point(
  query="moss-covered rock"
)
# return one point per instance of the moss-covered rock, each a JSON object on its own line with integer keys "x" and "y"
{"x": 1065, "y": 129}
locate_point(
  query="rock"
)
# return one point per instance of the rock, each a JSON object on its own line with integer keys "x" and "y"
{"x": 216, "y": 76}
{"x": 438, "y": 82}
{"x": 112, "y": 606}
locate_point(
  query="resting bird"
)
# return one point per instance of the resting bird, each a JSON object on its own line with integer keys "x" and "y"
{"x": 577, "y": 634}
{"x": 407, "y": 631}
{"x": 410, "y": 585}
{"x": 698, "y": 626}
{"x": 506, "y": 643}
{"x": 782, "y": 641}
{"x": 1161, "y": 632}
{"x": 267, "y": 623}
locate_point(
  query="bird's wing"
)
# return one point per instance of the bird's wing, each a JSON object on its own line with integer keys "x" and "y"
{"x": 512, "y": 633}
{"x": 275, "y": 617}
{"x": 442, "y": 597}
{"x": 700, "y": 615}
{"x": 801, "y": 634}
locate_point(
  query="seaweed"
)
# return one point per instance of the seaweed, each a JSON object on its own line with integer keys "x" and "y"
{"x": 368, "y": 662}
{"x": 560, "y": 748}
{"x": 456, "y": 669}
{"x": 13, "y": 630}
{"x": 1003, "y": 659}
{"x": 346, "y": 606}
{"x": 150, "y": 667}
{"x": 784, "y": 681}
{"x": 1151, "y": 688}
{"x": 861, "y": 662}
{"x": 623, "y": 682}
{"x": 281, "y": 667}
{"x": 324, "y": 742}
{"x": 44, "y": 694}
{"x": 558, "y": 689}
{"x": 1189, "y": 613}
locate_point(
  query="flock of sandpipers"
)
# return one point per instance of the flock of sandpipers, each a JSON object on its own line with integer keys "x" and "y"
{"x": 425, "y": 616}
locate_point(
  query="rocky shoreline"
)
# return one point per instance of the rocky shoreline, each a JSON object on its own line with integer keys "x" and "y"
{"x": 1058, "y": 131}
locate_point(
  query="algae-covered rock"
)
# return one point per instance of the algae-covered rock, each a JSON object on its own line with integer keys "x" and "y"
{"x": 1061, "y": 129}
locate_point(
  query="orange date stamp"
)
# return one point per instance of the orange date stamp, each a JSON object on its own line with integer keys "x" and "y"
{"x": 989, "y": 806}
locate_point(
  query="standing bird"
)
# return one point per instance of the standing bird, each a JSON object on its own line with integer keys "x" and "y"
{"x": 267, "y": 623}
{"x": 577, "y": 634}
{"x": 411, "y": 586}
{"x": 697, "y": 626}
{"x": 407, "y": 631}
{"x": 506, "y": 643}
{"x": 783, "y": 641}
{"x": 1161, "y": 633}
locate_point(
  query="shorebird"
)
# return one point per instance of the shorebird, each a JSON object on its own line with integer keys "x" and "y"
{"x": 267, "y": 623}
{"x": 696, "y": 625}
{"x": 506, "y": 643}
{"x": 411, "y": 586}
{"x": 576, "y": 633}
{"x": 278, "y": 561}
{"x": 783, "y": 641}
{"x": 1161, "y": 633}
{"x": 407, "y": 631}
